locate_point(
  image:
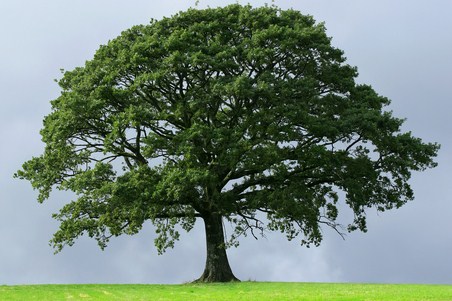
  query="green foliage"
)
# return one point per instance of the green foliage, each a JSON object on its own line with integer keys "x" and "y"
{"x": 236, "y": 111}
{"x": 231, "y": 291}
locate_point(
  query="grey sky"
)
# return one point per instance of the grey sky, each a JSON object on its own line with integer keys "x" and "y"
{"x": 402, "y": 48}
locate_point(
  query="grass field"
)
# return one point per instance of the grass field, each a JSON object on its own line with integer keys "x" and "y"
{"x": 261, "y": 291}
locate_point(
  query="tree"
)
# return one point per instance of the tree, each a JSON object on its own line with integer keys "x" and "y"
{"x": 236, "y": 114}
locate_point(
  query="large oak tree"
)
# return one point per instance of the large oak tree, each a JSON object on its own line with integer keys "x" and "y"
{"x": 236, "y": 114}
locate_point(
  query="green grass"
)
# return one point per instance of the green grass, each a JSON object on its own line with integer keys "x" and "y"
{"x": 261, "y": 291}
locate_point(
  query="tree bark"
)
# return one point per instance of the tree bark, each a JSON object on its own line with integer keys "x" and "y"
{"x": 217, "y": 267}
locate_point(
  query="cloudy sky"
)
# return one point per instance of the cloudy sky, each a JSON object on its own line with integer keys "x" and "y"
{"x": 402, "y": 48}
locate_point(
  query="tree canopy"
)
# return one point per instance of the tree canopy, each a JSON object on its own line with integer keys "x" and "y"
{"x": 238, "y": 114}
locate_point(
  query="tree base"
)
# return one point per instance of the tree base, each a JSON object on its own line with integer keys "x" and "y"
{"x": 216, "y": 278}
{"x": 220, "y": 271}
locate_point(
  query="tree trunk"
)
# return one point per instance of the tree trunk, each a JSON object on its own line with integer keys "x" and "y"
{"x": 217, "y": 265}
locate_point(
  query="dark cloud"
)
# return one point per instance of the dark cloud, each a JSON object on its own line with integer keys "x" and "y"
{"x": 401, "y": 48}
